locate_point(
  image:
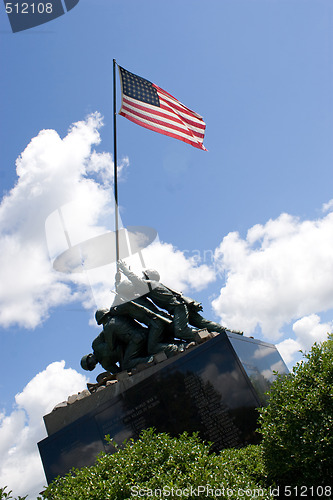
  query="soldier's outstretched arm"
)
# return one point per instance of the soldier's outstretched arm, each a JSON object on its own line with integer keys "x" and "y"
{"x": 140, "y": 284}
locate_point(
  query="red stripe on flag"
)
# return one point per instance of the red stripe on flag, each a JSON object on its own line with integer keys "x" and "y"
{"x": 157, "y": 121}
{"x": 161, "y": 117}
{"x": 175, "y": 103}
{"x": 159, "y": 111}
{"x": 170, "y": 134}
{"x": 189, "y": 123}
{"x": 170, "y": 118}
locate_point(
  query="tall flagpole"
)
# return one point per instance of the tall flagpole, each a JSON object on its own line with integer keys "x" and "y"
{"x": 118, "y": 276}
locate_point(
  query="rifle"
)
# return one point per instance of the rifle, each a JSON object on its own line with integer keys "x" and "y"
{"x": 149, "y": 312}
{"x": 187, "y": 300}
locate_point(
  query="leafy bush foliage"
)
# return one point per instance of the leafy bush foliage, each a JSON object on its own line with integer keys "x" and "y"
{"x": 297, "y": 424}
{"x": 158, "y": 462}
{"x": 296, "y": 451}
{"x": 6, "y": 495}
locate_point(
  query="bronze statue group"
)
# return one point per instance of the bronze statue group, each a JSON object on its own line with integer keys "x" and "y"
{"x": 145, "y": 318}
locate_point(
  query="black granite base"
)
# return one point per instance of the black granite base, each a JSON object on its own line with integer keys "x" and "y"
{"x": 213, "y": 388}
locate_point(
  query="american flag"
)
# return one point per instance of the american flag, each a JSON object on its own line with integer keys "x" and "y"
{"x": 151, "y": 107}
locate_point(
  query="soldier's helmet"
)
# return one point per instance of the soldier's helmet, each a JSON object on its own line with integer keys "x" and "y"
{"x": 99, "y": 315}
{"x": 88, "y": 362}
{"x": 126, "y": 289}
{"x": 151, "y": 274}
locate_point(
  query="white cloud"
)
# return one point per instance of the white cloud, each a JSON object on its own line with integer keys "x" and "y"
{"x": 51, "y": 173}
{"x": 288, "y": 348}
{"x": 176, "y": 270}
{"x": 279, "y": 273}
{"x": 20, "y": 464}
{"x": 26, "y": 279}
{"x": 327, "y": 207}
{"x": 308, "y": 330}
{"x": 63, "y": 197}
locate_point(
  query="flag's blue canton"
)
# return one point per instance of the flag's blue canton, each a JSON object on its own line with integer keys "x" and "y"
{"x": 138, "y": 88}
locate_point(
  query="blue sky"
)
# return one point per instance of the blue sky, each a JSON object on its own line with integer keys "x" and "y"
{"x": 246, "y": 228}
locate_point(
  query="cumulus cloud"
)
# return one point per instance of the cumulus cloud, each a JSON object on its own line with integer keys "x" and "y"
{"x": 51, "y": 172}
{"x": 288, "y": 348}
{"x": 308, "y": 330}
{"x": 328, "y": 207}
{"x": 20, "y": 464}
{"x": 64, "y": 196}
{"x": 278, "y": 274}
{"x": 176, "y": 269}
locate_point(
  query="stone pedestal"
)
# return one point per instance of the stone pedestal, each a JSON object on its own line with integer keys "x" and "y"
{"x": 213, "y": 388}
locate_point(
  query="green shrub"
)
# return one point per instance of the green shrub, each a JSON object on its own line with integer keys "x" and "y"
{"x": 6, "y": 495}
{"x": 297, "y": 425}
{"x": 158, "y": 464}
{"x": 296, "y": 451}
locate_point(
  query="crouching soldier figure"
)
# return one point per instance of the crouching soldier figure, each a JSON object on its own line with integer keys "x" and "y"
{"x": 159, "y": 323}
{"x": 122, "y": 340}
